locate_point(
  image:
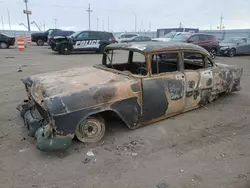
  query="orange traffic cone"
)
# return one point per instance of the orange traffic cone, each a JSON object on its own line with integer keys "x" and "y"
{"x": 28, "y": 40}
{"x": 20, "y": 44}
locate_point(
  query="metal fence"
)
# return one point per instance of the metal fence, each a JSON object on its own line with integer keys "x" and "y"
{"x": 220, "y": 35}
{"x": 153, "y": 34}
{"x": 14, "y": 33}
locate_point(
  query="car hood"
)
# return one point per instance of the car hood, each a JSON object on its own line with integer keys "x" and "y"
{"x": 226, "y": 44}
{"x": 60, "y": 37}
{"x": 38, "y": 34}
{"x": 78, "y": 88}
{"x": 161, "y": 39}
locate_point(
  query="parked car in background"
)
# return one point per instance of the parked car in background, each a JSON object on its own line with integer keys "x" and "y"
{"x": 41, "y": 37}
{"x": 82, "y": 41}
{"x": 54, "y": 33}
{"x": 169, "y": 36}
{"x": 125, "y": 36}
{"x": 154, "y": 81}
{"x": 6, "y": 41}
{"x": 235, "y": 45}
{"x": 207, "y": 41}
{"x": 138, "y": 39}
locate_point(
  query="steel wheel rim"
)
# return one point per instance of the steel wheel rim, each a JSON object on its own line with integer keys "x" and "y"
{"x": 90, "y": 130}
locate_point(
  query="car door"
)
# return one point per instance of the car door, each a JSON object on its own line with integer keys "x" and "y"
{"x": 85, "y": 41}
{"x": 243, "y": 47}
{"x": 163, "y": 91}
{"x": 204, "y": 42}
{"x": 198, "y": 78}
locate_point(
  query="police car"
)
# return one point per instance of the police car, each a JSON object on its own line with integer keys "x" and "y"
{"x": 82, "y": 41}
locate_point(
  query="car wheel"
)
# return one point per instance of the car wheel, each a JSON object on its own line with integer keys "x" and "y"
{"x": 65, "y": 49}
{"x": 3, "y": 45}
{"x": 231, "y": 53}
{"x": 40, "y": 42}
{"x": 213, "y": 53}
{"x": 91, "y": 129}
{"x": 101, "y": 48}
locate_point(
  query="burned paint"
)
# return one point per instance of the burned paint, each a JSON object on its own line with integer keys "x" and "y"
{"x": 128, "y": 110}
{"x": 154, "y": 99}
{"x": 209, "y": 81}
{"x": 135, "y": 87}
{"x": 191, "y": 84}
{"x": 175, "y": 88}
{"x": 189, "y": 94}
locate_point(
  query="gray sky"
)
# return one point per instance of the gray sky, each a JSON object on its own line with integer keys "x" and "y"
{"x": 160, "y": 13}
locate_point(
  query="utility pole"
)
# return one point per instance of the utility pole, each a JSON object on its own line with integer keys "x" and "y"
{"x": 221, "y": 18}
{"x": 97, "y": 24}
{"x": 9, "y": 18}
{"x": 108, "y": 23}
{"x": 2, "y": 23}
{"x": 149, "y": 26}
{"x": 135, "y": 20}
{"x": 28, "y": 19}
{"x": 103, "y": 25}
{"x": 55, "y": 22}
{"x": 89, "y": 10}
{"x": 43, "y": 25}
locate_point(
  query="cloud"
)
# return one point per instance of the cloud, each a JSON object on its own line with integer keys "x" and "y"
{"x": 118, "y": 15}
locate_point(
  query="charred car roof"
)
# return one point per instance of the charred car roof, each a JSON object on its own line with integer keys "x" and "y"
{"x": 152, "y": 47}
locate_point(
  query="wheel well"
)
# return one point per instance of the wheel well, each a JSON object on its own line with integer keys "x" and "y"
{"x": 214, "y": 49}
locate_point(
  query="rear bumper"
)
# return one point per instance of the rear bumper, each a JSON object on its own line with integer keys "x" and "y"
{"x": 47, "y": 140}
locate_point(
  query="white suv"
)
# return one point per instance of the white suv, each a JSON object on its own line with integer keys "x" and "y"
{"x": 125, "y": 36}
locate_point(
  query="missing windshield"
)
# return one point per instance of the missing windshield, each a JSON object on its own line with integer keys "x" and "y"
{"x": 126, "y": 61}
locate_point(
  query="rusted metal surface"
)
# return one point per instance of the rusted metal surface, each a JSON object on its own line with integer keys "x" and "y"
{"x": 65, "y": 98}
{"x": 154, "y": 47}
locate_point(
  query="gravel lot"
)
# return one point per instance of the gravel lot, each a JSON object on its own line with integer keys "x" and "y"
{"x": 207, "y": 147}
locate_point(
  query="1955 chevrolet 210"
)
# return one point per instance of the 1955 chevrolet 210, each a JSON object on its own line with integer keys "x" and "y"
{"x": 154, "y": 81}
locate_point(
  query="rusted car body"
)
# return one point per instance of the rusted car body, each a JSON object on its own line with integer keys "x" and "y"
{"x": 171, "y": 79}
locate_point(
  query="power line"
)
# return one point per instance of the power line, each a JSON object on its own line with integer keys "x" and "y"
{"x": 89, "y": 11}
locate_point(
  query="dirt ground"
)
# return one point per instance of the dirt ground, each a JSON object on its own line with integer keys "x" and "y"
{"x": 203, "y": 148}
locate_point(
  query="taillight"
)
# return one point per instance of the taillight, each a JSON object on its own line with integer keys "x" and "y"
{"x": 113, "y": 39}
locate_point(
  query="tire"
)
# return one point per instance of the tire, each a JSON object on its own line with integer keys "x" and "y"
{"x": 231, "y": 52}
{"x": 3, "y": 45}
{"x": 65, "y": 49}
{"x": 91, "y": 130}
{"x": 40, "y": 42}
{"x": 213, "y": 53}
{"x": 101, "y": 48}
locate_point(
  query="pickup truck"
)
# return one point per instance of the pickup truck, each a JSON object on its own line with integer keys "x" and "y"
{"x": 41, "y": 37}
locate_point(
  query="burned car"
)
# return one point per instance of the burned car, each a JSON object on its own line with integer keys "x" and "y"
{"x": 140, "y": 83}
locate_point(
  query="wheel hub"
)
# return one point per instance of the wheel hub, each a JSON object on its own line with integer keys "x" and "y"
{"x": 90, "y": 129}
